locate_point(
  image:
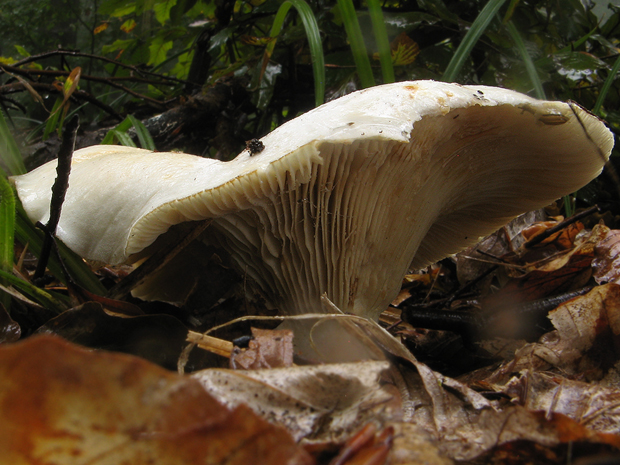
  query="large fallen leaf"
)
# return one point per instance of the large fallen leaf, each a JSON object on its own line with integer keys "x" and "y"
{"x": 60, "y": 404}
{"x": 319, "y": 403}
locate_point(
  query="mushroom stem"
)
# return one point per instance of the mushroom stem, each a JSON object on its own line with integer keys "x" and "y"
{"x": 340, "y": 201}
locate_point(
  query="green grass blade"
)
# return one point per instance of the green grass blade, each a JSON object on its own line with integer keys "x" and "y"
{"x": 606, "y": 86}
{"x": 124, "y": 138}
{"x": 31, "y": 291}
{"x": 54, "y": 119}
{"x": 356, "y": 40}
{"x": 527, "y": 60}
{"x": 383, "y": 41}
{"x": 9, "y": 152}
{"x": 7, "y": 228}
{"x": 476, "y": 30}
{"x": 144, "y": 136}
{"x": 574, "y": 45}
{"x": 112, "y": 135}
{"x": 313, "y": 35}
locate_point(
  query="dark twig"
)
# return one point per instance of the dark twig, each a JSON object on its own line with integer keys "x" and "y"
{"x": 109, "y": 81}
{"x": 59, "y": 189}
{"x": 155, "y": 262}
{"x": 79, "y": 94}
{"x": 561, "y": 225}
{"x": 473, "y": 326}
{"x": 76, "y": 53}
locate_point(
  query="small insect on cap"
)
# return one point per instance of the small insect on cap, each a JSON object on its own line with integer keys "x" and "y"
{"x": 343, "y": 199}
{"x": 254, "y": 146}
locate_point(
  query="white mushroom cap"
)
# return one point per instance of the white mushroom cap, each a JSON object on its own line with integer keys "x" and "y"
{"x": 343, "y": 199}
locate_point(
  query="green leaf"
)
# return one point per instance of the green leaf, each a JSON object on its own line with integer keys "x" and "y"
{"x": 383, "y": 41}
{"x": 118, "y": 45}
{"x": 119, "y": 133}
{"x": 606, "y": 86}
{"x": 162, "y": 10}
{"x": 144, "y": 136}
{"x": 10, "y": 155}
{"x": 314, "y": 41}
{"x": 27, "y": 234}
{"x": 54, "y": 122}
{"x": 7, "y": 228}
{"x": 527, "y": 60}
{"x": 31, "y": 291}
{"x": 124, "y": 139}
{"x": 117, "y": 8}
{"x": 467, "y": 44}
{"x": 356, "y": 40}
{"x": 22, "y": 51}
{"x": 158, "y": 50}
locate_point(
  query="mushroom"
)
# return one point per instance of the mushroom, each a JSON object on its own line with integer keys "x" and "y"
{"x": 342, "y": 200}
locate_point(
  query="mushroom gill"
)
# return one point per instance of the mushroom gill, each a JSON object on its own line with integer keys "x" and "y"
{"x": 343, "y": 199}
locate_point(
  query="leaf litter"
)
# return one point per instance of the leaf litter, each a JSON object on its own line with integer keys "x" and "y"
{"x": 548, "y": 400}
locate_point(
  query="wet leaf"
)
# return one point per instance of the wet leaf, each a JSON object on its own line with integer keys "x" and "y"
{"x": 562, "y": 273}
{"x": 9, "y": 329}
{"x": 257, "y": 41}
{"x": 319, "y": 403}
{"x": 128, "y": 26}
{"x": 267, "y": 349}
{"x": 563, "y": 239}
{"x": 64, "y": 405}
{"x": 590, "y": 405}
{"x": 404, "y": 50}
{"x": 102, "y": 27}
{"x": 585, "y": 343}
{"x": 607, "y": 262}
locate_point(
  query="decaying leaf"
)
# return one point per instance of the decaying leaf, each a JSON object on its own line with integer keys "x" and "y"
{"x": 102, "y": 27}
{"x": 562, "y": 273}
{"x": 9, "y": 329}
{"x": 584, "y": 343}
{"x": 464, "y": 430}
{"x": 562, "y": 239}
{"x": 267, "y": 349}
{"x": 404, "y": 50}
{"x": 590, "y": 405}
{"x": 607, "y": 262}
{"x": 128, "y": 26}
{"x": 63, "y": 405}
{"x": 319, "y": 403}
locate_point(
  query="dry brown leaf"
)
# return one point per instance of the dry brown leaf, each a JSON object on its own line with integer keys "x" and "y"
{"x": 562, "y": 240}
{"x": 585, "y": 342}
{"x": 567, "y": 271}
{"x": 607, "y": 262}
{"x": 590, "y": 405}
{"x": 463, "y": 431}
{"x": 60, "y": 404}
{"x": 320, "y": 403}
{"x": 267, "y": 349}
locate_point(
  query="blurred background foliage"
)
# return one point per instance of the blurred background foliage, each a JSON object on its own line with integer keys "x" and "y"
{"x": 556, "y": 49}
{"x": 204, "y": 76}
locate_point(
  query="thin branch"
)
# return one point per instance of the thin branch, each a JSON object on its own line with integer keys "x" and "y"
{"x": 108, "y": 81}
{"x": 80, "y": 94}
{"x": 76, "y": 53}
{"x": 59, "y": 189}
